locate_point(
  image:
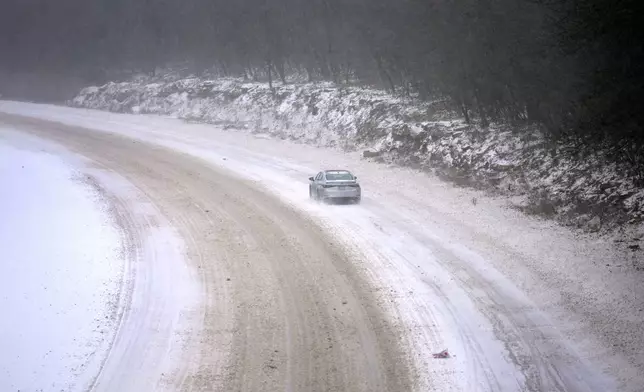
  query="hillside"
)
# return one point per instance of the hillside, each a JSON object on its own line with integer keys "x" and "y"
{"x": 575, "y": 185}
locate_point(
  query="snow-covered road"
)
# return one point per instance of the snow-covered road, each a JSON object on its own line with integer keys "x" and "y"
{"x": 521, "y": 304}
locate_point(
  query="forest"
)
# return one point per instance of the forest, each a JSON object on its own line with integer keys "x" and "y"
{"x": 575, "y": 67}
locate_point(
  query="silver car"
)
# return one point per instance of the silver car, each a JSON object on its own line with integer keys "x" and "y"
{"x": 335, "y": 185}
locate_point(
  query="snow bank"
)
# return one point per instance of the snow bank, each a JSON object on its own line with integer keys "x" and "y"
{"x": 60, "y": 275}
{"x": 543, "y": 178}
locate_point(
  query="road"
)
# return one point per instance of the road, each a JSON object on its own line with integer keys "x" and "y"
{"x": 284, "y": 307}
{"x": 300, "y": 297}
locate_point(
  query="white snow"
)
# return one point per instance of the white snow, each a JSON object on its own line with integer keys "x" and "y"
{"x": 86, "y": 302}
{"x": 60, "y": 274}
{"x": 402, "y": 131}
{"x": 521, "y": 302}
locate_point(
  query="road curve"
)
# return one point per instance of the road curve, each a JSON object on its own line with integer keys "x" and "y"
{"x": 284, "y": 308}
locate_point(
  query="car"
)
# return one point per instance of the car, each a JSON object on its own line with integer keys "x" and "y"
{"x": 335, "y": 185}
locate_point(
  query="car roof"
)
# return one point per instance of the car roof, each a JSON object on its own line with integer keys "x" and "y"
{"x": 337, "y": 170}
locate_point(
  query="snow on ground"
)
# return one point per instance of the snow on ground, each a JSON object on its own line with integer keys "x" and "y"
{"x": 94, "y": 288}
{"x": 522, "y": 303}
{"x": 559, "y": 180}
{"x": 60, "y": 275}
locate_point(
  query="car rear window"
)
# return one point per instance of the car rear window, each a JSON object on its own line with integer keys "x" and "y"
{"x": 339, "y": 176}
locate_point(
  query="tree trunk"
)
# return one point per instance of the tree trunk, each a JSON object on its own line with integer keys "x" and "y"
{"x": 484, "y": 119}
{"x": 279, "y": 69}
{"x": 465, "y": 111}
{"x": 309, "y": 73}
{"x": 224, "y": 68}
{"x": 384, "y": 75}
{"x": 270, "y": 75}
{"x": 406, "y": 84}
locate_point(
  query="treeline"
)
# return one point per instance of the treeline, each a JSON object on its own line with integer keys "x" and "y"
{"x": 574, "y": 66}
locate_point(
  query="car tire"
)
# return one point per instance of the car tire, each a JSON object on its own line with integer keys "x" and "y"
{"x": 357, "y": 200}
{"x": 311, "y": 193}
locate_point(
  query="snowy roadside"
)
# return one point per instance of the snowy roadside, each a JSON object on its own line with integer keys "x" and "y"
{"x": 61, "y": 274}
{"x": 77, "y": 305}
{"x": 557, "y": 180}
{"x": 520, "y": 301}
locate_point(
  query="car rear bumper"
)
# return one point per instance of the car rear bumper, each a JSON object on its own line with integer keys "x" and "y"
{"x": 341, "y": 194}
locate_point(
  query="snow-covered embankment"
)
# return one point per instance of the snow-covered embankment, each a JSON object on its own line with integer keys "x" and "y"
{"x": 60, "y": 276}
{"x": 561, "y": 180}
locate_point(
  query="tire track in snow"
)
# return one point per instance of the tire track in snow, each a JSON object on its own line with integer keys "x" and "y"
{"x": 527, "y": 337}
{"x": 283, "y": 307}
